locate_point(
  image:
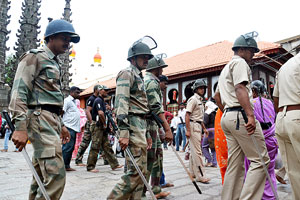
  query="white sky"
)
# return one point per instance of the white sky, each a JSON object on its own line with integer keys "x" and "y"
{"x": 177, "y": 26}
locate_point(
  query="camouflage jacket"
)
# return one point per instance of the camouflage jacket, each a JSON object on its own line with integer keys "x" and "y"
{"x": 130, "y": 97}
{"x": 37, "y": 82}
{"x": 154, "y": 95}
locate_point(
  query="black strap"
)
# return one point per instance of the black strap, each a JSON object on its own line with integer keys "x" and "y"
{"x": 51, "y": 108}
{"x": 195, "y": 121}
{"x": 181, "y": 120}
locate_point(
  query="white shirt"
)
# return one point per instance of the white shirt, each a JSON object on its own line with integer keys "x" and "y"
{"x": 181, "y": 113}
{"x": 71, "y": 117}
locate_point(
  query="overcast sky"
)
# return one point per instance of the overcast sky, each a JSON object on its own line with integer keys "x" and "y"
{"x": 177, "y": 26}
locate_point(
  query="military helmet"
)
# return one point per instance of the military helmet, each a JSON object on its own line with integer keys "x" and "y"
{"x": 246, "y": 41}
{"x": 157, "y": 62}
{"x": 199, "y": 83}
{"x": 142, "y": 46}
{"x": 139, "y": 49}
{"x": 61, "y": 26}
{"x": 258, "y": 86}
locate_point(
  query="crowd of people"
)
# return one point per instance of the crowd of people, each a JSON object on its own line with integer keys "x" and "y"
{"x": 235, "y": 130}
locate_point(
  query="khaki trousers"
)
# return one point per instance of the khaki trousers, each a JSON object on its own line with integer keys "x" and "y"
{"x": 196, "y": 153}
{"x": 288, "y": 135}
{"x": 240, "y": 145}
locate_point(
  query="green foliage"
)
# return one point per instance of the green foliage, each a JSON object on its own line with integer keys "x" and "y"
{"x": 10, "y": 69}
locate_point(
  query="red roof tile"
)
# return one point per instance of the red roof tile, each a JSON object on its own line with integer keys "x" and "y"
{"x": 205, "y": 57}
{"x": 110, "y": 83}
{"x": 208, "y": 56}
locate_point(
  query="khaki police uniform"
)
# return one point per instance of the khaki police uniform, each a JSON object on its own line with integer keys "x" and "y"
{"x": 196, "y": 109}
{"x": 239, "y": 142}
{"x": 287, "y": 89}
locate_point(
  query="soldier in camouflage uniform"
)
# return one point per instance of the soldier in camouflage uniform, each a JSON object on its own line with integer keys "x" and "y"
{"x": 36, "y": 103}
{"x": 87, "y": 137}
{"x": 99, "y": 134}
{"x": 155, "y": 104}
{"x": 131, "y": 107}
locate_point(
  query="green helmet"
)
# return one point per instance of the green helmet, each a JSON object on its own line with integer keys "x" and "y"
{"x": 139, "y": 49}
{"x": 199, "y": 83}
{"x": 157, "y": 62}
{"x": 246, "y": 41}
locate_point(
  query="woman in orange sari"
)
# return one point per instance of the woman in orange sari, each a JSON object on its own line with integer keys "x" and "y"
{"x": 220, "y": 145}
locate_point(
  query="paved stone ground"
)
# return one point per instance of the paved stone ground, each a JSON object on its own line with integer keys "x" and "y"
{"x": 15, "y": 178}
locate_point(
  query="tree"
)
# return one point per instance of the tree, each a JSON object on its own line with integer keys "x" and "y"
{"x": 10, "y": 69}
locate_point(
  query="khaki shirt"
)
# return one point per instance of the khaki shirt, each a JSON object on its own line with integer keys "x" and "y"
{"x": 235, "y": 72}
{"x": 37, "y": 82}
{"x": 195, "y": 106}
{"x": 287, "y": 85}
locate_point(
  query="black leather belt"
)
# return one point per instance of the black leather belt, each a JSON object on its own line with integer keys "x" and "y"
{"x": 51, "y": 108}
{"x": 141, "y": 115}
{"x": 199, "y": 122}
{"x": 238, "y": 108}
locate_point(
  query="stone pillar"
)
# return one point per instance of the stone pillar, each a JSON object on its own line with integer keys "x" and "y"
{"x": 4, "y": 21}
{"x": 66, "y": 75}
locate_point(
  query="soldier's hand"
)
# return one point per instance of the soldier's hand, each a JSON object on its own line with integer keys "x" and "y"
{"x": 188, "y": 134}
{"x": 65, "y": 135}
{"x": 169, "y": 136}
{"x": 149, "y": 143}
{"x": 123, "y": 143}
{"x": 20, "y": 139}
{"x": 250, "y": 126}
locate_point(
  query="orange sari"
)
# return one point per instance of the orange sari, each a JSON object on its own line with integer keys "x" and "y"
{"x": 220, "y": 145}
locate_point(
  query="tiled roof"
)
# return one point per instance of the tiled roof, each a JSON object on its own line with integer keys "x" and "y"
{"x": 110, "y": 83}
{"x": 205, "y": 57}
{"x": 208, "y": 56}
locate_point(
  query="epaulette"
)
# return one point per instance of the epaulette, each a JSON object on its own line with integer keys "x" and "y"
{"x": 35, "y": 51}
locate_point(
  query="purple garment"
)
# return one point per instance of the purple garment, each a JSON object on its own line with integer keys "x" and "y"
{"x": 271, "y": 142}
{"x": 210, "y": 156}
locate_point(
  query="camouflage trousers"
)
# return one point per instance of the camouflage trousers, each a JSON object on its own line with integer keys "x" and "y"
{"x": 87, "y": 136}
{"x": 43, "y": 131}
{"x": 131, "y": 184}
{"x": 100, "y": 141}
{"x": 154, "y": 158}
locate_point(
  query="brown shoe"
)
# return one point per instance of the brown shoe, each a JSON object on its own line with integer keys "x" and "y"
{"x": 280, "y": 180}
{"x": 70, "y": 169}
{"x": 162, "y": 195}
{"x": 3, "y": 150}
{"x": 204, "y": 180}
{"x": 93, "y": 170}
{"x": 208, "y": 164}
{"x": 117, "y": 167}
{"x": 81, "y": 164}
{"x": 168, "y": 185}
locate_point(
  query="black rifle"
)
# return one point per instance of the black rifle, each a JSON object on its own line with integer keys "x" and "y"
{"x": 9, "y": 123}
